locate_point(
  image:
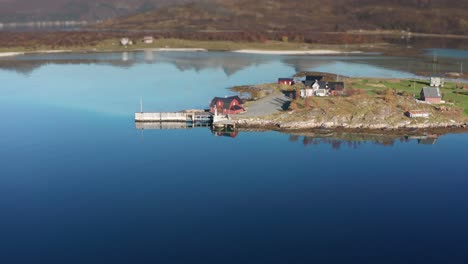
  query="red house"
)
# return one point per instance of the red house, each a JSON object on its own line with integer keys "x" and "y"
{"x": 285, "y": 81}
{"x": 227, "y": 105}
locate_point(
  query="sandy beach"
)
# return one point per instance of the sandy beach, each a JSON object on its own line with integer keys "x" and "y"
{"x": 13, "y": 54}
{"x": 293, "y": 52}
{"x": 10, "y": 54}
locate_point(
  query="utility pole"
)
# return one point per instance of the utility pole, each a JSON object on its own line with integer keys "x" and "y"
{"x": 461, "y": 68}
{"x": 141, "y": 104}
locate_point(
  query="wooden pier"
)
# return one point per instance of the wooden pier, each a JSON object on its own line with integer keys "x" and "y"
{"x": 181, "y": 120}
{"x": 182, "y": 117}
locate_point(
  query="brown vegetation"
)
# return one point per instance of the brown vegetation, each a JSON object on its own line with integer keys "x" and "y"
{"x": 428, "y": 16}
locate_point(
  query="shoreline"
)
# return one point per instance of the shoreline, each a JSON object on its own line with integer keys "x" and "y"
{"x": 268, "y": 124}
{"x": 320, "y": 131}
{"x": 20, "y": 53}
{"x": 295, "y": 52}
{"x": 242, "y": 51}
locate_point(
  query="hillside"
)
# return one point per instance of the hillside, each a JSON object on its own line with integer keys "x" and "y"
{"x": 89, "y": 10}
{"x": 436, "y": 16}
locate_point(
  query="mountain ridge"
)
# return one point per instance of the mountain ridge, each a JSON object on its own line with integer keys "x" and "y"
{"x": 425, "y": 16}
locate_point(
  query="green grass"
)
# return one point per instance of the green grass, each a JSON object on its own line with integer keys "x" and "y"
{"x": 451, "y": 93}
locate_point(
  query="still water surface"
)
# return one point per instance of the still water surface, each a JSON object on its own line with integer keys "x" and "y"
{"x": 79, "y": 184}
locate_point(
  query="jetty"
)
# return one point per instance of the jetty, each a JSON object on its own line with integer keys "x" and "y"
{"x": 182, "y": 117}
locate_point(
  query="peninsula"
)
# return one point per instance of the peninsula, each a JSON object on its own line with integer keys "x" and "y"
{"x": 363, "y": 103}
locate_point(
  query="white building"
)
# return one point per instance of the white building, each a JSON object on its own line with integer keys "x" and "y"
{"x": 321, "y": 92}
{"x": 148, "y": 40}
{"x": 307, "y": 92}
{"x": 125, "y": 42}
{"x": 437, "y": 81}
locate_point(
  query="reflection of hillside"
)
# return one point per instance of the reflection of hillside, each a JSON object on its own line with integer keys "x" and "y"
{"x": 339, "y": 140}
{"x": 230, "y": 63}
{"x": 28, "y": 64}
{"x": 305, "y": 63}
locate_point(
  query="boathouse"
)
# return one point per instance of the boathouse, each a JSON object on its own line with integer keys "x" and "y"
{"x": 285, "y": 81}
{"x": 431, "y": 95}
{"x": 227, "y": 105}
{"x": 417, "y": 113}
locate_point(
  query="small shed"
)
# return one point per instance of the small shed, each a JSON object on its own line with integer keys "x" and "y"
{"x": 227, "y": 105}
{"x": 285, "y": 81}
{"x": 148, "y": 40}
{"x": 336, "y": 88}
{"x": 417, "y": 113}
{"x": 431, "y": 95}
{"x": 437, "y": 81}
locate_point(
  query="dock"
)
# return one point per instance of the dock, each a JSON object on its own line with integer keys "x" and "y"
{"x": 182, "y": 120}
{"x": 182, "y": 117}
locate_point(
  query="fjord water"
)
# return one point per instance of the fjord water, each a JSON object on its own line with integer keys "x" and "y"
{"x": 79, "y": 184}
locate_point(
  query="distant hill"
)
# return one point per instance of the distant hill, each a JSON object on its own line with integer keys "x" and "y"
{"x": 89, "y": 10}
{"x": 427, "y": 16}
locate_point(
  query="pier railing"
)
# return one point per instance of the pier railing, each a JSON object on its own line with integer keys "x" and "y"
{"x": 173, "y": 117}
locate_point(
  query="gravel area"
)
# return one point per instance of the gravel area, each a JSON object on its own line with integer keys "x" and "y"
{"x": 268, "y": 105}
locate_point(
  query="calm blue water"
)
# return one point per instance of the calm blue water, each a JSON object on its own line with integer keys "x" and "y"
{"x": 448, "y": 53}
{"x": 79, "y": 184}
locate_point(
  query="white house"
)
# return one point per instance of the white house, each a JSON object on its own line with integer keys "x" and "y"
{"x": 316, "y": 86}
{"x": 125, "y": 42}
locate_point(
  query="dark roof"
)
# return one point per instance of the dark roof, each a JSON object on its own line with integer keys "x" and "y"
{"x": 285, "y": 79}
{"x": 313, "y": 77}
{"x": 336, "y": 86}
{"x": 309, "y": 83}
{"x": 431, "y": 92}
{"x": 227, "y": 100}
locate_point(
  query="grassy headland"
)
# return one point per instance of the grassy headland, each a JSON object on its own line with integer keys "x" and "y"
{"x": 367, "y": 103}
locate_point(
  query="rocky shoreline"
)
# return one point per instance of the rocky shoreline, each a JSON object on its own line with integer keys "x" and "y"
{"x": 265, "y": 123}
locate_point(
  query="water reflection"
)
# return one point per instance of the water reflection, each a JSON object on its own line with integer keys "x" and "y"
{"x": 350, "y": 140}
{"x": 364, "y": 65}
{"x": 336, "y": 140}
